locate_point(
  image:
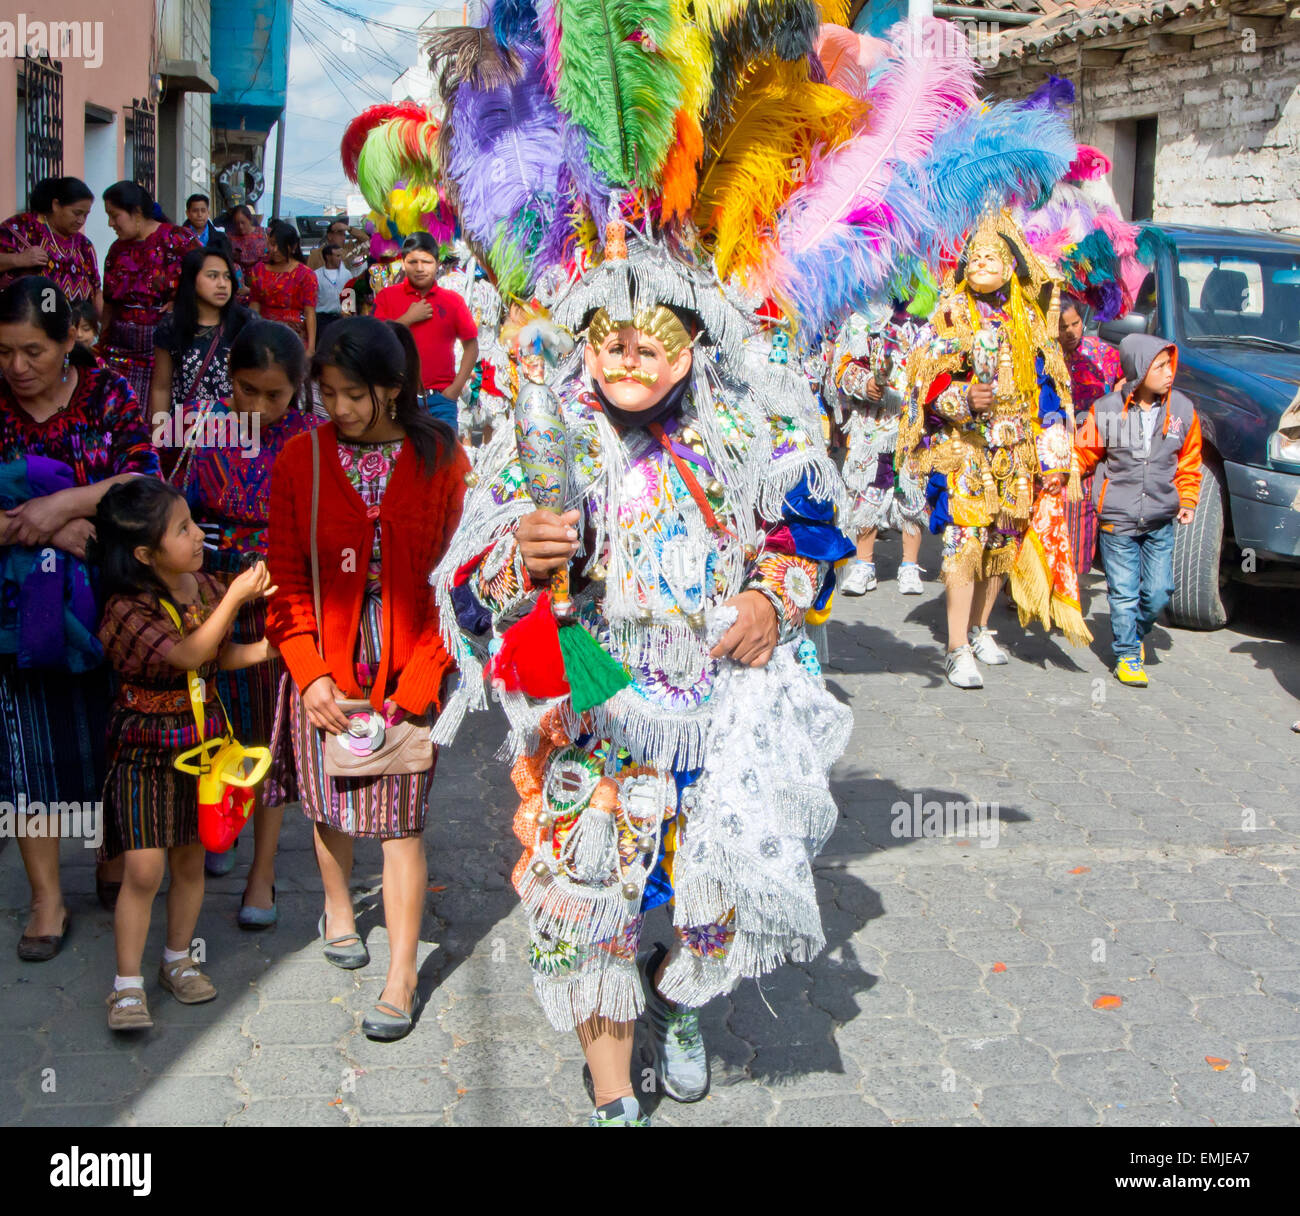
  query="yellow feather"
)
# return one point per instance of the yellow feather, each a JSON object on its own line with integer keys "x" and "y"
{"x": 756, "y": 161}
{"x": 689, "y": 48}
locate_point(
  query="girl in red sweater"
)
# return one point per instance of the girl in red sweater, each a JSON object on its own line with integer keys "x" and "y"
{"x": 391, "y": 482}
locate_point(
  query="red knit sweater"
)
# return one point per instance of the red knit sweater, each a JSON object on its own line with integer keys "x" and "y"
{"x": 418, "y": 515}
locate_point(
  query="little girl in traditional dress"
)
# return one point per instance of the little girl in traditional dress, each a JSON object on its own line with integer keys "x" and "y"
{"x": 151, "y": 552}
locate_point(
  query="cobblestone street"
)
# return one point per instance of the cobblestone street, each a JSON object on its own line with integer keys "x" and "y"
{"x": 1147, "y": 849}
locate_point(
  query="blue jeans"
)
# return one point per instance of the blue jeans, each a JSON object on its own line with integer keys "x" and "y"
{"x": 444, "y": 409}
{"x": 1139, "y": 581}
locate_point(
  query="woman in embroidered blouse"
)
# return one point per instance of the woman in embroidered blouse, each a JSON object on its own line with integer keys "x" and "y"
{"x": 47, "y": 239}
{"x": 190, "y": 348}
{"x": 282, "y": 288}
{"x": 140, "y": 276}
{"x": 1094, "y": 370}
{"x": 386, "y": 470}
{"x": 56, "y": 403}
{"x": 230, "y": 497}
{"x": 247, "y": 240}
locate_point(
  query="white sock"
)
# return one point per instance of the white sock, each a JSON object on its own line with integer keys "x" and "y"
{"x": 174, "y": 956}
{"x": 127, "y": 981}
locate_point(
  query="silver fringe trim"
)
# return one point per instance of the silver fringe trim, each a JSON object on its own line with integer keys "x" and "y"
{"x": 572, "y": 912}
{"x": 606, "y": 986}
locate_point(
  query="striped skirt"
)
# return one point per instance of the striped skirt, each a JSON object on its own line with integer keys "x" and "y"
{"x": 53, "y": 727}
{"x": 379, "y": 807}
{"x": 1081, "y": 519}
{"x": 148, "y": 804}
{"x": 128, "y": 350}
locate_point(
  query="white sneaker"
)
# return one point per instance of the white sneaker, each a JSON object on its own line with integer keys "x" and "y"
{"x": 962, "y": 669}
{"x": 985, "y": 648}
{"x": 860, "y": 579}
{"x": 909, "y": 579}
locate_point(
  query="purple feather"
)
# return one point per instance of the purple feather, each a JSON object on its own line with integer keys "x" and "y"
{"x": 1108, "y": 300}
{"x": 1055, "y": 93}
{"x": 520, "y": 165}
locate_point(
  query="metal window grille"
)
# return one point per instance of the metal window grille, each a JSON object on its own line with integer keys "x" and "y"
{"x": 43, "y": 108}
{"x": 142, "y": 122}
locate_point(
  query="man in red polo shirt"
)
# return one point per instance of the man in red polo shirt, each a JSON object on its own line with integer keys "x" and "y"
{"x": 436, "y": 318}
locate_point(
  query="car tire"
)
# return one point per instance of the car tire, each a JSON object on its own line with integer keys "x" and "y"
{"x": 1204, "y": 597}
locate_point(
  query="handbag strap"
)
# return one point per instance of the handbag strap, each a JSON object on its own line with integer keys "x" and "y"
{"x": 194, "y": 682}
{"x": 315, "y": 557}
{"x": 203, "y": 367}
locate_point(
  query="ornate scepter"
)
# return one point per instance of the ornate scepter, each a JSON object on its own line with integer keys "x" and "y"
{"x": 539, "y": 435}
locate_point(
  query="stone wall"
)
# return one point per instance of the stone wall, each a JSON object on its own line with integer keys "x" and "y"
{"x": 1229, "y": 125}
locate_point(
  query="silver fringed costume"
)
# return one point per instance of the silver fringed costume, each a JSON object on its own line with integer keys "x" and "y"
{"x": 485, "y": 400}
{"x": 702, "y": 782}
{"x": 881, "y": 497}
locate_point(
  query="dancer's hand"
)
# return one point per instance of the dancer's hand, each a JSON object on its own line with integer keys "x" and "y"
{"x": 753, "y": 637}
{"x": 979, "y": 397}
{"x": 547, "y": 541}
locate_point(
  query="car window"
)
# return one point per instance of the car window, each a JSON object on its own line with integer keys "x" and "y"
{"x": 1234, "y": 294}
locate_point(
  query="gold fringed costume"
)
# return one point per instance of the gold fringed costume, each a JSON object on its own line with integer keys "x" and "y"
{"x": 985, "y": 470}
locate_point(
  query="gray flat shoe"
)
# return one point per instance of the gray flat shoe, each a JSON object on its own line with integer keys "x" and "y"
{"x": 348, "y": 957}
{"x": 251, "y": 918}
{"x": 392, "y": 1023}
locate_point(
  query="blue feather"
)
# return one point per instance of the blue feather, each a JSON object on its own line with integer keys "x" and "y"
{"x": 514, "y": 22}
{"x": 1004, "y": 155}
{"x": 856, "y": 264}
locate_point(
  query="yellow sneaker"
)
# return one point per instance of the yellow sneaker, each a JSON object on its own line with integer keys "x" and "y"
{"x": 1131, "y": 671}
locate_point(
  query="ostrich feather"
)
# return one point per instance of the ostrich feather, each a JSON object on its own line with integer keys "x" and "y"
{"x": 915, "y": 96}
{"x": 549, "y": 25}
{"x": 753, "y": 166}
{"x": 401, "y": 149}
{"x": 365, "y": 122}
{"x": 691, "y": 51}
{"x": 851, "y": 264}
{"x": 1055, "y": 93}
{"x": 848, "y": 58}
{"x": 681, "y": 169}
{"x": 1089, "y": 164}
{"x": 1001, "y": 155}
{"x": 514, "y": 23}
{"x": 615, "y": 83}
{"x": 470, "y": 54}
{"x": 506, "y": 158}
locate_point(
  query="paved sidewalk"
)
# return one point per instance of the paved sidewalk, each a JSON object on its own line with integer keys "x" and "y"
{"x": 1148, "y": 850}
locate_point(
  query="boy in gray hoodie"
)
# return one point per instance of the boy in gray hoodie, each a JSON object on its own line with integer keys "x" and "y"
{"x": 1144, "y": 441}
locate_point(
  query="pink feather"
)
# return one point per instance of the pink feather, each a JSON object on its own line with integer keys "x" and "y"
{"x": 548, "y": 20}
{"x": 1123, "y": 235}
{"x": 848, "y": 58}
{"x": 1051, "y": 245}
{"x": 1089, "y": 164}
{"x": 914, "y": 97}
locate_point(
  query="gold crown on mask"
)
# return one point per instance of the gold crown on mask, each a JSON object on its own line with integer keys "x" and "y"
{"x": 659, "y": 322}
{"x": 998, "y": 233}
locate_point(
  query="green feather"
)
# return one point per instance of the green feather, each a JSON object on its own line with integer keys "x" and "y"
{"x": 593, "y": 676}
{"x": 620, "y": 93}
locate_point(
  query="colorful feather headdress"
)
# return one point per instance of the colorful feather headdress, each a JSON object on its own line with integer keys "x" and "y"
{"x": 389, "y": 152}
{"x": 1079, "y": 230}
{"x": 757, "y": 142}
